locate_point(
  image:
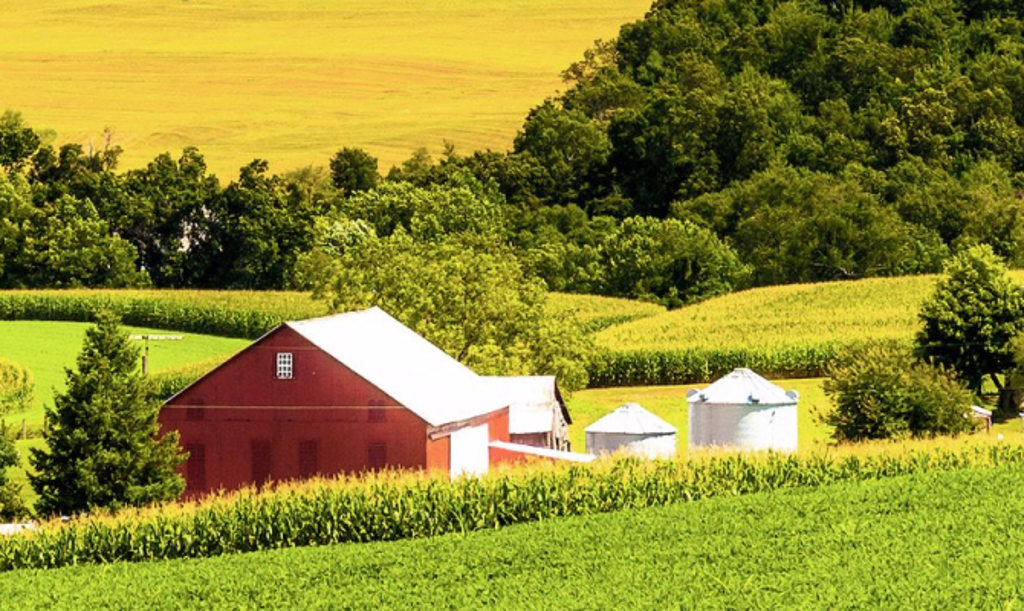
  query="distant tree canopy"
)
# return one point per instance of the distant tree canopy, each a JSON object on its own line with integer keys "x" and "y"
{"x": 715, "y": 144}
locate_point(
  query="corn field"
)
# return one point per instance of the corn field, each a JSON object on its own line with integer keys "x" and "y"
{"x": 781, "y": 331}
{"x": 398, "y": 505}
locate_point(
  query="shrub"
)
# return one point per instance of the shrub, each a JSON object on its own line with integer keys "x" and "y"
{"x": 16, "y": 387}
{"x": 880, "y": 392}
{"x": 12, "y": 505}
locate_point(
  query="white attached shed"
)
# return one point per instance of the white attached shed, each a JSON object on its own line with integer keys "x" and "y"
{"x": 633, "y": 429}
{"x": 537, "y": 415}
{"x": 745, "y": 411}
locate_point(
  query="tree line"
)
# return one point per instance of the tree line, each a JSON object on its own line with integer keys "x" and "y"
{"x": 715, "y": 144}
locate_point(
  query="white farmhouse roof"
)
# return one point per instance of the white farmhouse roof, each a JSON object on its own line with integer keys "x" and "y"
{"x": 743, "y": 387}
{"x": 407, "y": 367}
{"x": 631, "y": 419}
{"x": 533, "y": 401}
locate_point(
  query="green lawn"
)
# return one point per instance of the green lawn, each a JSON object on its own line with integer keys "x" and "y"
{"x": 936, "y": 540}
{"x": 46, "y": 348}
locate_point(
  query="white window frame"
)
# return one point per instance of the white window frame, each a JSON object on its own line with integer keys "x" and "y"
{"x": 285, "y": 365}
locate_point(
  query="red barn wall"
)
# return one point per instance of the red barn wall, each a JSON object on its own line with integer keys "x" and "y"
{"x": 242, "y": 425}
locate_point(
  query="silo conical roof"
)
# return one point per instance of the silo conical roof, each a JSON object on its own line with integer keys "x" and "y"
{"x": 743, "y": 387}
{"x": 631, "y": 419}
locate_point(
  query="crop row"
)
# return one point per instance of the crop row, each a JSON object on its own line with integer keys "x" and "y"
{"x": 225, "y": 313}
{"x": 391, "y": 506}
{"x": 851, "y": 545}
{"x": 656, "y": 367}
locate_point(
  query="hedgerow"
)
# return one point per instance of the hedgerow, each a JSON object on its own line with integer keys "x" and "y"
{"x": 397, "y": 505}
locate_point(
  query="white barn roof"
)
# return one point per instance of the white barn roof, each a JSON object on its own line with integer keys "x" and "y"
{"x": 743, "y": 387}
{"x": 400, "y": 362}
{"x": 531, "y": 401}
{"x": 633, "y": 420}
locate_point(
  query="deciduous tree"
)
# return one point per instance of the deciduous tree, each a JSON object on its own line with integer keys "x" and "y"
{"x": 972, "y": 317}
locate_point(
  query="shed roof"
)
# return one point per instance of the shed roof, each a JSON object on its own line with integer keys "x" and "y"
{"x": 631, "y": 419}
{"x": 400, "y": 362}
{"x": 531, "y": 401}
{"x": 743, "y": 387}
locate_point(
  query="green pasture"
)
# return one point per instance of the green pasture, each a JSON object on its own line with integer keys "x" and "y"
{"x": 930, "y": 540}
{"x": 292, "y": 81}
{"x": 46, "y": 348}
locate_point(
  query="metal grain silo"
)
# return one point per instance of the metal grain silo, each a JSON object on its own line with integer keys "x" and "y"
{"x": 743, "y": 410}
{"x": 633, "y": 429}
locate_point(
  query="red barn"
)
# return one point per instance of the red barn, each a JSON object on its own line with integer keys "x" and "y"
{"x": 338, "y": 394}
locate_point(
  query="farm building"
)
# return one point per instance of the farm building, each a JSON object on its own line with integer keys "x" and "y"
{"x": 633, "y": 429}
{"x": 338, "y": 394}
{"x": 537, "y": 413}
{"x": 743, "y": 410}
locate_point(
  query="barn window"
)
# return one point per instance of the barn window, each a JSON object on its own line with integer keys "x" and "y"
{"x": 376, "y": 455}
{"x": 195, "y": 468}
{"x": 285, "y": 367}
{"x": 309, "y": 458}
{"x": 375, "y": 413}
{"x": 261, "y": 466}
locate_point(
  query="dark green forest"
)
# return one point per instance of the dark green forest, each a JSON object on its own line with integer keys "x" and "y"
{"x": 714, "y": 145}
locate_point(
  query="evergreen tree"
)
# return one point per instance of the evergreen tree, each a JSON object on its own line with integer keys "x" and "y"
{"x": 102, "y": 444}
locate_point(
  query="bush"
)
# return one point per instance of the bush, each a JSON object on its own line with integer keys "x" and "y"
{"x": 880, "y": 392}
{"x": 12, "y": 505}
{"x": 16, "y": 387}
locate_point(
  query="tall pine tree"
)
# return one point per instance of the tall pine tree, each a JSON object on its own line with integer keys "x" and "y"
{"x": 102, "y": 448}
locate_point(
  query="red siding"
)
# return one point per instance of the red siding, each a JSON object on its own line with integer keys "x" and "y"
{"x": 439, "y": 455}
{"x": 241, "y": 422}
{"x": 249, "y": 379}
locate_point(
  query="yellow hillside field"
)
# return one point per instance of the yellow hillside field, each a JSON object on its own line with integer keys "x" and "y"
{"x": 779, "y": 317}
{"x": 292, "y": 81}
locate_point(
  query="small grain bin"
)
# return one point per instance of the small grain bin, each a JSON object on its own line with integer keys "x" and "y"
{"x": 743, "y": 410}
{"x": 634, "y": 429}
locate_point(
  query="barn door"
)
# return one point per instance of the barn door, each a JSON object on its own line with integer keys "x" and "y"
{"x": 470, "y": 452}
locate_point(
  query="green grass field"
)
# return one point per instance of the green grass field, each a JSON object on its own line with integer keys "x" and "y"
{"x": 934, "y": 540}
{"x": 292, "y": 81}
{"x": 46, "y": 348}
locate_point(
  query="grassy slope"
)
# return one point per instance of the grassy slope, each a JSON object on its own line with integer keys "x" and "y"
{"x": 910, "y": 542}
{"x": 781, "y": 316}
{"x": 46, "y": 348}
{"x": 292, "y": 81}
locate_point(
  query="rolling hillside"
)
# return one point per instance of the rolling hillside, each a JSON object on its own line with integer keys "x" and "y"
{"x": 292, "y": 81}
{"x": 784, "y": 331}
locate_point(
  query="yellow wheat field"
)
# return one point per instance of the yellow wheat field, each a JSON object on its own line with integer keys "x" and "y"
{"x": 292, "y": 81}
